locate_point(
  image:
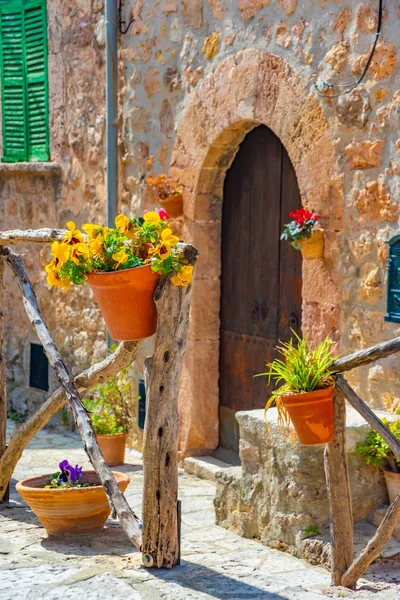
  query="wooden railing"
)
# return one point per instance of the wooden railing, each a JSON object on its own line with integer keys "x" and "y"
{"x": 159, "y": 542}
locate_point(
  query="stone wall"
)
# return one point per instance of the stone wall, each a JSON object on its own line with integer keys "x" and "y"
{"x": 196, "y": 79}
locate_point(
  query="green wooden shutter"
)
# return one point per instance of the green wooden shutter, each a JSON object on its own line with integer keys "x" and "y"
{"x": 24, "y": 82}
{"x": 36, "y": 79}
{"x": 13, "y": 92}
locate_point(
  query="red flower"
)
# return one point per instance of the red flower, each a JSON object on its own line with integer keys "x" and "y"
{"x": 164, "y": 216}
{"x": 301, "y": 215}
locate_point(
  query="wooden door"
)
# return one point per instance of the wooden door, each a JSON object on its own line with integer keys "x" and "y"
{"x": 261, "y": 276}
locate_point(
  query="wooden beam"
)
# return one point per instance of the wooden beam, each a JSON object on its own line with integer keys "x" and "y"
{"x": 369, "y": 416}
{"x": 366, "y": 356}
{"x": 129, "y": 521}
{"x": 3, "y": 387}
{"x": 35, "y": 236}
{"x": 160, "y": 450}
{"x": 374, "y": 546}
{"x": 101, "y": 372}
{"x": 337, "y": 481}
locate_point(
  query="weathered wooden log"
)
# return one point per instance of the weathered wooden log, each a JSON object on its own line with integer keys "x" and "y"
{"x": 101, "y": 372}
{"x": 160, "y": 451}
{"x": 27, "y": 236}
{"x": 374, "y": 546}
{"x": 366, "y": 356}
{"x": 337, "y": 481}
{"x": 3, "y": 388}
{"x": 369, "y": 416}
{"x": 129, "y": 521}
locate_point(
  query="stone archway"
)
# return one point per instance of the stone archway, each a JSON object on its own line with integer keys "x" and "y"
{"x": 246, "y": 90}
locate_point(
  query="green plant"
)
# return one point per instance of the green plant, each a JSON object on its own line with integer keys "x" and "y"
{"x": 13, "y": 415}
{"x": 110, "y": 404}
{"x": 375, "y": 450}
{"x": 310, "y": 531}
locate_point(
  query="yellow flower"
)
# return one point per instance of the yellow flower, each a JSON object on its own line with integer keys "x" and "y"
{"x": 183, "y": 277}
{"x": 54, "y": 279}
{"x": 151, "y": 217}
{"x": 122, "y": 223}
{"x": 96, "y": 245}
{"x": 79, "y": 250}
{"x": 93, "y": 231}
{"x": 120, "y": 257}
{"x": 61, "y": 252}
{"x": 167, "y": 241}
{"x": 72, "y": 236}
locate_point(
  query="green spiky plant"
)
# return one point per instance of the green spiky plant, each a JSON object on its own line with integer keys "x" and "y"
{"x": 302, "y": 369}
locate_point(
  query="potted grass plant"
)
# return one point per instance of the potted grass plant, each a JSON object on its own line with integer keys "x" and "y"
{"x": 304, "y": 235}
{"x": 69, "y": 501}
{"x": 375, "y": 451}
{"x": 122, "y": 266}
{"x": 305, "y": 393}
{"x": 110, "y": 409}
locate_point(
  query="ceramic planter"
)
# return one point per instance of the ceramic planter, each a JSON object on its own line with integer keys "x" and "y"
{"x": 312, "y": 416}
{"x": 125, "y": 299}
{"x": 173, "y": 205}
{"x": 393, "y": 484}
{"x": 312, "y": 248}
{"x": 113, "y": 448}
{"x": 70, "y": 510}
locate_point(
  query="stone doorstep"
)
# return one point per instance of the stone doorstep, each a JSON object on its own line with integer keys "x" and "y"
{"x": 207, "y": 467}
{"x": 376, "y": 517}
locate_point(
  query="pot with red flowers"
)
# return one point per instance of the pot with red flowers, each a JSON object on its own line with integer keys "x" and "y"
{"x": 304, "y": 234}
{"x": 69, "y": 501}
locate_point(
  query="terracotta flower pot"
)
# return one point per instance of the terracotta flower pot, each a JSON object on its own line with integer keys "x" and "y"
{"x": 70, "y": 510}
{"x": 312, "y": 415}
{"x": 173, "y": 205}
{"x": 113, "y": 448}
{"x": 393, "y": 484}
{"x": 125, "y": 299}
{"x": 312, "y": 248}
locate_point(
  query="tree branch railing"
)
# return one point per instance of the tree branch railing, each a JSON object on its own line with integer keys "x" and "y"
{"x": 160, "y": 544}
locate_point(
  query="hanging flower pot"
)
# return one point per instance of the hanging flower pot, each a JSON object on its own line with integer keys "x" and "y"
{"x": 125, "y": 299}
{"x": 312, "y": 248}
{"x": 113, "y": 448}
{"x": 73, "y": 507}
{"x": 173, "y": 205}
{"x": 311, "y": 414}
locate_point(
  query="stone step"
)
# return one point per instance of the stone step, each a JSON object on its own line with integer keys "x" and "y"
{"x": 376, "y": 517}
{"x": 206, "y": 467}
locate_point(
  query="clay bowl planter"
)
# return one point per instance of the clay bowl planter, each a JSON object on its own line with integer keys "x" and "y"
{"x": 312, "y": 416}
{"x": 125, "y": 299}
{"x": 113, "y": 448}
{"x": 312, "y": 248}
{"x": 69, "y": 510}
{"x": 393, "y": 484}
{"x": 173, "y": 205}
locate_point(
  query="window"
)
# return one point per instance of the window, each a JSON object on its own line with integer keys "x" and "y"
{"x": 24, "y": 86}
{"x": 38, "y": 369}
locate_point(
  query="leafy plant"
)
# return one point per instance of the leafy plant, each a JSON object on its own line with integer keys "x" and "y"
{"x": 375, "y": 450}
{"x": 110, "y": 405}
{"x": 302, "y": 369}
{"x": 132, "y": 243}
{"x": 310, "y": 531}
{"x": 300, "y": 228}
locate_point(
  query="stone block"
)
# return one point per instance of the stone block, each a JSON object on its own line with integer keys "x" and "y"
{"x": 207, "y": 239}
{"x": 364, "y": 155}
{"x": 204, "y": 310}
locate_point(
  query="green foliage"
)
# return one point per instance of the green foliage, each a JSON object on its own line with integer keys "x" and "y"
{"x": 302, "y": 369}
{"x": 13, "y": 415}
{"x": 110, "y": 404}
{"x": 375, "y": 451}
{"x": 310, "y": 531}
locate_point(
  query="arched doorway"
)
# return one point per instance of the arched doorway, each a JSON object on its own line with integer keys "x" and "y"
{"x": 261, "y": 276}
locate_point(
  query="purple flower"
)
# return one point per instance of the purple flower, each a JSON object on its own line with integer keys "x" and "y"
{"x": 68, "y": 473}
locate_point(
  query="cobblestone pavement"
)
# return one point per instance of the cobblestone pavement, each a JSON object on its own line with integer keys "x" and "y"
{"x": 216, "y": 564}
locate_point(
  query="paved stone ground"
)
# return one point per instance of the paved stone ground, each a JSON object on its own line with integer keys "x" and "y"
{"x": 216, "y": 564}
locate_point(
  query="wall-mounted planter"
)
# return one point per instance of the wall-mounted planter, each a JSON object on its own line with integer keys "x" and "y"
{"x": 173, "y": 205}
{"x": 312, "y": 248}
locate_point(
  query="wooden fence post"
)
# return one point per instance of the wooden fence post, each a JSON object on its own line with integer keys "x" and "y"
{"x": 160, "y": 451}
{"x": 337, "y": 480}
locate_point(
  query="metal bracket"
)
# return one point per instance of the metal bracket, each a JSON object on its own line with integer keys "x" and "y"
{"x": 121, "y": 22}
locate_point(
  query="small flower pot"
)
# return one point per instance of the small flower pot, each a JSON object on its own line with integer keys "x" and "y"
{"x": 312, "y": 248}
{"x": 311, "y": 414}
{"x": 113, "y": 448}
{"x": 173, "y": 205}
{"x": 125, "y": 299}
{"x": 393, "y": 484}
{"x": 69, "y": 510}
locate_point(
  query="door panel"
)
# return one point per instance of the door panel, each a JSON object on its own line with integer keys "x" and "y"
{"x": 261, "y": 277}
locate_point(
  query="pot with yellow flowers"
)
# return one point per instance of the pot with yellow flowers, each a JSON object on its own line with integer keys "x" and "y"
{"x": 122, "y": 266}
